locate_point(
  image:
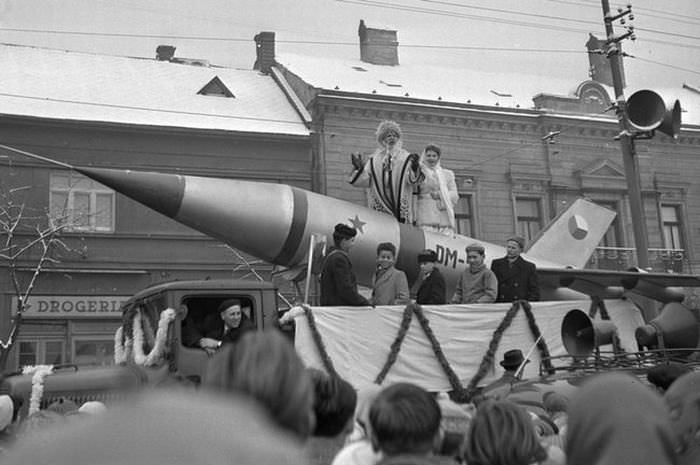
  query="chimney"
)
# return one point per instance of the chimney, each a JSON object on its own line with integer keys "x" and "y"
{"x": 378, "y": 46}
{"x": 265, "y": 51}
{"x": 165, "y": 52}
{"x": 600, "y": 70}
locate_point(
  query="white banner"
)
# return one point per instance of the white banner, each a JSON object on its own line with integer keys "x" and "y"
{"x": 358, "y": 339}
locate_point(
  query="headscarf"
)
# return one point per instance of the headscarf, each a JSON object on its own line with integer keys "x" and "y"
{"x": 614, "y": 419}
{"x": 442, "y": 183}
{"x": 683, "y": 401}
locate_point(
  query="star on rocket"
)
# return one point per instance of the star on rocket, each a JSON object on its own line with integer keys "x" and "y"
{"x": 357, "y": 223}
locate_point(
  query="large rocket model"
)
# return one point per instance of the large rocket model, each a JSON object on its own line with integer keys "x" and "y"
{"x": 275, "y": 222}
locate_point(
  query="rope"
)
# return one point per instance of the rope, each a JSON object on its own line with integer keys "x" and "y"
{"x": 318, "y": 340}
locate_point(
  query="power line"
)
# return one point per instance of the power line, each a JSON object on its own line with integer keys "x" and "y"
{"x": 298, "y": 42}
{"x": 539, "y": 26}
{"x": 678, "y": 17}
{"x": 694, "y": 71}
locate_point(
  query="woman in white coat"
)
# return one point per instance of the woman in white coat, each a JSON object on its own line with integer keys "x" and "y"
{"x": 437, "y": 194}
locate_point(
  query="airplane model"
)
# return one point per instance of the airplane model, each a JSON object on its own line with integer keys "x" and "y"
{"x": 274, "y": 222}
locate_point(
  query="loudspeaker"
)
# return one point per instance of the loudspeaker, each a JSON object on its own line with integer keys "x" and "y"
{"x": 581, "y": 335}
{"x": 647, "y": 111}
{"x": 676, "y": 327}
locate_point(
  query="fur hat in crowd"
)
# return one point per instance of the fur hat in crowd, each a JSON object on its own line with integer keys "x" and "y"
{"x": 387, "y": 126}
{"x": 518, "y": 240}
{"x": 7, "y": 410}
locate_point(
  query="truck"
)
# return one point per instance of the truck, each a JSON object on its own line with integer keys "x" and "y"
{"x": 186, "y": 304}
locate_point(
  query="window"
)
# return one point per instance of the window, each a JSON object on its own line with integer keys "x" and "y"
{"x": 464, "y": 216}
{"x": 40, "y": 352}
{"x": 672, "y": 226}
{"x": 612, "y": 235}
{"x": 529, "y": 217}
{"x": 203, "y": 316}
{"x": 81, "y": 202}
{"x": 93, "y": 351}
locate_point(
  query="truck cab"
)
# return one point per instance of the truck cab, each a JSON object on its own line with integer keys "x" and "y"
{"x": 193, "y": 302}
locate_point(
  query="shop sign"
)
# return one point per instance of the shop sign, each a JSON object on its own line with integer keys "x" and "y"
{"x": 72, "y": 306}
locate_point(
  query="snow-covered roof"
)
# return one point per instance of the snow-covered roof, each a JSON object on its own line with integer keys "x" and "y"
{"x": 48, "y": 83}
{"x": 449, "y": 84}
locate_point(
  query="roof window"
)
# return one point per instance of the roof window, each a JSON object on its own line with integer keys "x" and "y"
{"x": 216, "y": 88}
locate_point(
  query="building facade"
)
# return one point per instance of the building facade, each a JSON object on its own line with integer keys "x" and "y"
{"x": 522, "y": 147}
{"x": 164, "y": 115}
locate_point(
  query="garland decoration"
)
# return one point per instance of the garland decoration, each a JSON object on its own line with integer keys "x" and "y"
{"x": 489, "y": 358}
{"x": 38, "y": 372}
{"x": 459, "y": 394}
{"x": 318, "y": 340}
{"x": 396, "y": 345}
{"x": 545, "y": 356}
{"x": 125, "y": 347}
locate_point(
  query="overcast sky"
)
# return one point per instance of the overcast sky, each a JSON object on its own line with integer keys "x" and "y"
{"x": 667, "y": 48}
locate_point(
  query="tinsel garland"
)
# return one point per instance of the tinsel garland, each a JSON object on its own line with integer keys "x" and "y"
{"x": 318, "y": 340}
{"x": 124, "y": 346}
{"x": 489, "y": 358}
{"x": 396, "y": 345}
{"x": 38, "y": 372}
{"x": 158, "y": 350}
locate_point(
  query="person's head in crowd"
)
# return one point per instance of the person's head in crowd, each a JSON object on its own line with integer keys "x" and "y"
{"x": 334, "y": 403}
{"x": 389, "y": 134}
{"x": 386, "y": 255}
{"x": 62, "y": 406}
{"x": 265, "y": 366}
{"x": 164, "y": 428}
{"x": 405, "y": 419}
{"x": 514, "y": 247}
{"x": 362, "y": 429}
{"x": 614, "y": 419}
{"x": 231, "y": 313}
{"x": 427, "y": 260}
{"x": 93, "y": 407}
{"x": 662, "y": 376}
{"x": 512, "y": 359}
{"x": 344, "y": 236}
{"x": 431, "y": 155}
{"x": 502, "y": 433}
{"x": 475, "y": 256}
{"x": 455, "y": 426}
{"x": 683, "y": 402}
{"x": 7, "y": 411}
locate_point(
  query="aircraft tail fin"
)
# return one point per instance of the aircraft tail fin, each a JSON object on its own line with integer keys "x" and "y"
{"x": 573, "y": 235}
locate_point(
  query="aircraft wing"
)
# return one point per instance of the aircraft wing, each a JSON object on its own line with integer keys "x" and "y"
{"x": 659, "y": 286}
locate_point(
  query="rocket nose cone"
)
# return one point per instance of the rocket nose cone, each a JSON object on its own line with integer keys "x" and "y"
{"x": 161, "y": 192}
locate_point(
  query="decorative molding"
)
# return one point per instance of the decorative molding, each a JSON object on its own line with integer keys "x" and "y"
{"x": 602, "y": 174}
{"x": 669, "y": 187}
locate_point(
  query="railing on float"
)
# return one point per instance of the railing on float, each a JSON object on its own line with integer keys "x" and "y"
{"x": 622, "y": 258}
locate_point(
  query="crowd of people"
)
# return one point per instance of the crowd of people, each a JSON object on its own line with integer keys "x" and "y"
{"x": 509, "y": 279}
{"x": 258, "y": 404}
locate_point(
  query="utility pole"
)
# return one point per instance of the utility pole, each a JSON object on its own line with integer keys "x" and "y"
{"x": 627, "y": 134}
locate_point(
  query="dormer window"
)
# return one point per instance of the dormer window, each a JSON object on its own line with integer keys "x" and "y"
{"x": 216, "y": 88}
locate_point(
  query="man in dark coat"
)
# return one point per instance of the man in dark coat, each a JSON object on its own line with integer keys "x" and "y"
{"x": 517, "y": 277}
{"x": 226, "y": 325}
{"x": 338, "y": 282}
{"x": 431, "y": 283}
